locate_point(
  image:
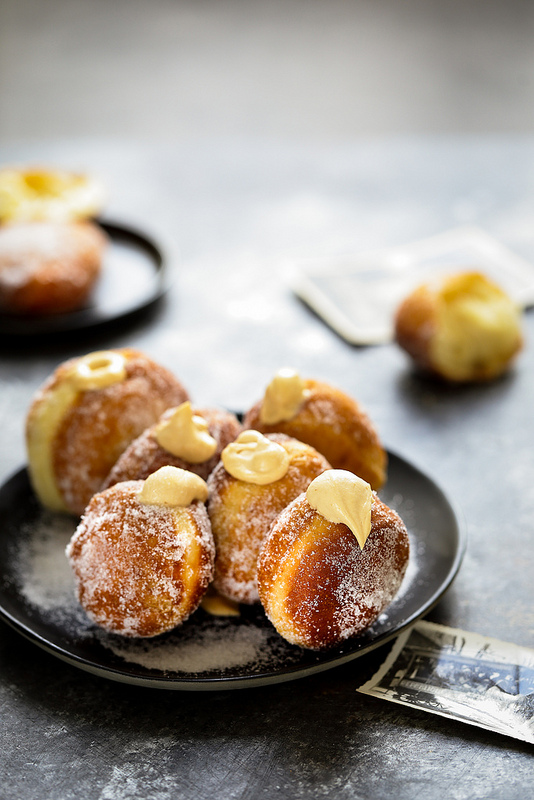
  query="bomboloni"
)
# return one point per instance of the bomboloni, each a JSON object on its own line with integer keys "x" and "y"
{"x": 143, "y": 553}
{"x": 324, "y": 417}
{"x": 319, "y": 585}
{"x": 257, "y": 477}
{"x": 85, "y": 416}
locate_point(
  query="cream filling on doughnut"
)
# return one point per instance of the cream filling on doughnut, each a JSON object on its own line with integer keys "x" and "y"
{"x": 39, "y": 194}
{"x": 98, "y": 370}
{"x": 93, "y": 371}
{"x": 254, "y": 458}
{"x": 283, "y": 397}
{"x": 478, "y": 328}
{"x": 174, "y": 487}
{"x": 341, "y": 496}
{"x": 40, "y": 436}
{"x": 186, "y": 435}
{"x": 219, "y": 606}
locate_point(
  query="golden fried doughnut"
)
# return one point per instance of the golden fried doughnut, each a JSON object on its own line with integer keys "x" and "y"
{"x": 141, "y": 568}
{"x": 85, "y": 416}
{"x": 49, "y": 267}
{"x": 145, "y": 454}
{"x": 334, "y": 424}
{"x": 317, "y": 585}
{"x": 241, "y": 513}
{"x": 460, "y": 328}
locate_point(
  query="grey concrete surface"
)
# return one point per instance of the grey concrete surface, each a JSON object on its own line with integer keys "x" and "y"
{"x": 174, "y": 69}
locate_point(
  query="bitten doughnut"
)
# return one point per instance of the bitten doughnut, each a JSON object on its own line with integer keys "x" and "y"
{"x": 461, "y": 328}
{"x": 143, "y": 553}
{"x": 85, "y": 416}
{"x": 332, "y": 561}
{"x": 49, "y": 267}
{"x": 325, "y": 418}
{"x": 185, "y": 437}
{"x": 255, "y": 479}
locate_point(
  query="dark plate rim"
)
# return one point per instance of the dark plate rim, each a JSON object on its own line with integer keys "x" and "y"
{"x": 325, "y": 661}
{"x": 93, "y": 316}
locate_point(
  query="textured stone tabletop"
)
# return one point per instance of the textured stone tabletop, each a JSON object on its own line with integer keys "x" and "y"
{"x": 233, "y": 218}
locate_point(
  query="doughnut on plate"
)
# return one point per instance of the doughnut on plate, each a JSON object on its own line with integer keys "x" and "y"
{"x": 206, "y": 652}
{"x": 133, "y": 278}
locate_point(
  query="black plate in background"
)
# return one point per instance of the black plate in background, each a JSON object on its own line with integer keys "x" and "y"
{"x": 207, "y": 653}
{"x": 133, "y": 277}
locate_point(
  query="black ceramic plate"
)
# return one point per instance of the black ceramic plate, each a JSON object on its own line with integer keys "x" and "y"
{"x": 206, "y": 653}
{"x": 133, "y": 277}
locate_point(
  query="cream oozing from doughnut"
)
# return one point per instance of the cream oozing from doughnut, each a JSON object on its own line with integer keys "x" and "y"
{"x": 85, "y": 416}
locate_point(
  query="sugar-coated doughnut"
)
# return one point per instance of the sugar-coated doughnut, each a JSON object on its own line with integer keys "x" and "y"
{"x": 461, "y": 327}
{"x": 85, "y": 416}
{"x": 49, "y": 267}
{"x": 146, "y": 455}
{"x": 141, "y": 568}
{"x": 241, "y": 511}
{"x": 327, "y": 419}
{"x": 317, "y": 585}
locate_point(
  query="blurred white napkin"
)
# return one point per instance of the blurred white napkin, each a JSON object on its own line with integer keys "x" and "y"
{"x": 357, "y": 297}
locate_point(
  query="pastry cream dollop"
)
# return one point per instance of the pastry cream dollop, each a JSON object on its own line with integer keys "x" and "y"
{"x": 283, "y": 397}
{"x": 171, "y": 486}
{"x": 186, "y": 435}
{"x": 29, "y": 195}
{"x": 98, "y": 370}
{"x": 254, "y": 458}
{"x": 341, "y": 496}
{"x": 219, "y": 606}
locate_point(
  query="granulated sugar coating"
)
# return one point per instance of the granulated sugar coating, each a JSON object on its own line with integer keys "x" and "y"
{"x": 101, "y": 424}
{"x": 45, "y": 574}
{"x": 213, "y": 648}
{"x": 145, "y": 455}
{"x": 204, "y": 644}
{"x": 337, "y": 426}
{"x": 49, "y": 267}
{"x": 140, "y": 569}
